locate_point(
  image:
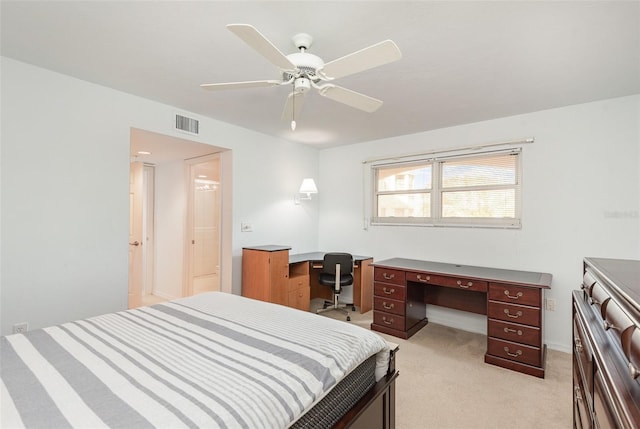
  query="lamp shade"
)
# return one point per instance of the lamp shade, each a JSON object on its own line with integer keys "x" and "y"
{"x": 308, "y": 187}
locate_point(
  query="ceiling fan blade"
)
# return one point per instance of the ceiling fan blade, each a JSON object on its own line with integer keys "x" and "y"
{"x": 239, "y": 85}
{"x": 289, "y": 114}
{"x": 364, "y": 59}
{"x": 350, "y": 98}
{"x": 252, "y": 37}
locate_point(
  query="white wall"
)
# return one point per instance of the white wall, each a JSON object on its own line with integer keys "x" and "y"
{"x": 64, "y": 190}
{"x": 581, "y": 196}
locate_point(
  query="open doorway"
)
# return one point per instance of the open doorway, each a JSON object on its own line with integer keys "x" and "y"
{"x": 168, "y": 266}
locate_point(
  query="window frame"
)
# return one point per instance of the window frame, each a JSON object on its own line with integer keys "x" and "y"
{"x": 436, "y": 191}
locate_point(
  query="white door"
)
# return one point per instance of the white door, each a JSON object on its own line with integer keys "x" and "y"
{"x": 203, "y": 220}
{"x": 135, "y": 234}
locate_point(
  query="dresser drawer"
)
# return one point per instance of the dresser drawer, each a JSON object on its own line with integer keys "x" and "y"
{"x": 455, "y": 282}
{"x": 631, "y": 348}
{"x": 615, "y": 320}
{"x": 389, "y": 320}
{"x": 389, "y": 305}
{"x": 599, "y": 297}
{"x": 587, "y": 282}
{"x": 582, "y": 352}
{"x": 514, "y": 332}
{"x": 391, "y": 291}
{"x": 388, "y": 275}
{"x": 515, "y": 294}
{"x": 514, "y": 351}
{"x": 514, "y": 313}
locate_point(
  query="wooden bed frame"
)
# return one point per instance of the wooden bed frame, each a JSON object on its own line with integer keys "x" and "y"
{"x": 377, "y": 408}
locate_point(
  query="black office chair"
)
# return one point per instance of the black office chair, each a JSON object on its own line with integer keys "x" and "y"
{"x": 337, "y": 272}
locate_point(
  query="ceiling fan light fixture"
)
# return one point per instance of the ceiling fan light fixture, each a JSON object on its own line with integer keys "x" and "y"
{"x": 301, "y": 84}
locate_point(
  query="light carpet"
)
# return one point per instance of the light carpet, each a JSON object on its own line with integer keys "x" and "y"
{"x": 444, "y": 383}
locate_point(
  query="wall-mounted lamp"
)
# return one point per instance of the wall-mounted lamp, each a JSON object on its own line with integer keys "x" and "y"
{"x": 307, "y": 188}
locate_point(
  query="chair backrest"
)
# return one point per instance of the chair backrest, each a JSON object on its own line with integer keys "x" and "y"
{"x": 331, "y": 259}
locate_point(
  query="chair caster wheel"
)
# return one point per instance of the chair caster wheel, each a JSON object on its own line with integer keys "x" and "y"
{"x": 324, "y": 306}
{"x": 348, "y": 319}
{"x": 353, "y": 308}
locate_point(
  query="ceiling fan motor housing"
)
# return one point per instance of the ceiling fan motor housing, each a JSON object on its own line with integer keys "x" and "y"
{"x": 306, "y": 64}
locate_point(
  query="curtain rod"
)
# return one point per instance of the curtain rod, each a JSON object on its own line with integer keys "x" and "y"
{"x": 476, "y": 147}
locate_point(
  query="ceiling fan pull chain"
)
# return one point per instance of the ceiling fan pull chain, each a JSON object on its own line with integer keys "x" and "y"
{"x": 293, "y": 109}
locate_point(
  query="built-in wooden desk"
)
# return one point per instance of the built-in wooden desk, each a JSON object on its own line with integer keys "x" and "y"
{"x": 512, "y": 300}
{"x": 270, "y": 273}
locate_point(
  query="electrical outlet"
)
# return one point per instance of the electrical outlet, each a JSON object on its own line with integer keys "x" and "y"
{"x": 550, "y": 304}
{"x": 20, "y": 328}
{"x": 246, "y": 227}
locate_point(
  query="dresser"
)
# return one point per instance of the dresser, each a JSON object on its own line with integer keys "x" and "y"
{"x": 606, "y": 345}
{"x": 512, "y": 301}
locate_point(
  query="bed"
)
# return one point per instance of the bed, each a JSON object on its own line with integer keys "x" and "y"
{"x": 214, "y": 360}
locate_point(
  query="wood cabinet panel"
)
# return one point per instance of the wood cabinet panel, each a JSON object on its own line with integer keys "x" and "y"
{"x": 514, "y": 313}
{"x": 515, "y": 332}
{"x": 389, "y": 305}
{"x": 447, "y": 281}
{"x": 393, "y": 291}
{"x": 514, "y": 351}
{"x": 388, "y": 275}
{"x": 515, "y": 294}
{"x": 388, "y": 320}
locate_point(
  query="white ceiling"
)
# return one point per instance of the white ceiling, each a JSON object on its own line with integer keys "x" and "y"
{"x": 462, "y": 61}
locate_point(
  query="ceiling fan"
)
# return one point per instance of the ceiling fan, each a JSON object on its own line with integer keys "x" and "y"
{"x": 304, "y": 71}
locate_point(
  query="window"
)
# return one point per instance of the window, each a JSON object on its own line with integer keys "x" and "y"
{"x": 471, "y": 190}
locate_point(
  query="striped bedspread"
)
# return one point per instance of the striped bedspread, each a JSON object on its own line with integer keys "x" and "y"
{"x": 214, "y": 360}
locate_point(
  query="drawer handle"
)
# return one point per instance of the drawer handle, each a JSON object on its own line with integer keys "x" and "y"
{"x": 517, "y": 331}
{"x": 518, "y": 295}
{"x": 387, "y": 276}
{"x": 593, "y": 301}
{"x": 388, "y": 291}
{"x": 633, "y": 371}
{"x": 467, "y": 286}
{"x": 388, "y": 307}
{"x": 607, "y": 325}
{"x": 425, "y": 279}
{"x": 578, "y": 345}
{"x": 578, "y": 394}
{"x": 388, "y": 322}
{"x": 516, "y": 354}
{"x": 513, "y": 316}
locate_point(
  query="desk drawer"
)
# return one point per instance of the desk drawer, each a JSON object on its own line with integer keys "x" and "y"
{"x": 387, "y": 275}
{"x": 389, "y": 305}
{"x": 514, "y": 351}
{"x": 390, "y": 291}
{"x": 515, "y": 294}
{"x": 298, "y": 282}
{"x": 455, "y": 282}
{"x": 514, "y": 332}
{"x": 514, "y": 313}
{"x": 389, "y": 320}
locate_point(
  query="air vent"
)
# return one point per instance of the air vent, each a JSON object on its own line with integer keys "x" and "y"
{"x": 188, "y": 125}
